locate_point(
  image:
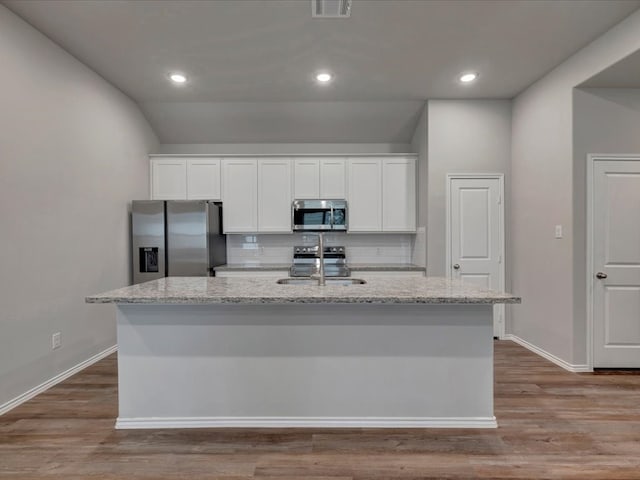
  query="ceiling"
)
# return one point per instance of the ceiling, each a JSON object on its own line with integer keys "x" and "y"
{"x": 239, "y": 54}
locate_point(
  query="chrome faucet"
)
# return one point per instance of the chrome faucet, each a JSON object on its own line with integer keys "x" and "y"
{"x": 320, "y": 270}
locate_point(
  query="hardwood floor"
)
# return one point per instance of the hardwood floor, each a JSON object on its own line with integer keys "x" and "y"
{"x": 552, "y": 424}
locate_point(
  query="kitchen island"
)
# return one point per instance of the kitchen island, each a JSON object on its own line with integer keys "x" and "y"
{"x": 237, "y": 352}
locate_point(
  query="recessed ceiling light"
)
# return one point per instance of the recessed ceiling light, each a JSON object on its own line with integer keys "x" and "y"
{"x": 468, "y": 77}
{"x": 324, "y": 77}
{"x": 178, "y": 78}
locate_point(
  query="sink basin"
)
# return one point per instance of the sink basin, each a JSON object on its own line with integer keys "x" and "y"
{"x": 315, "y": 281}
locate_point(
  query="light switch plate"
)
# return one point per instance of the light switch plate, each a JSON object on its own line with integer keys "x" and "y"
{"x": 558, "y": 231}
{"x": 56, "y": 340}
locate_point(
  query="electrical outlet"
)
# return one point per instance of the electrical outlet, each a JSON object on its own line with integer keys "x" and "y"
{"x": 56, "y": 340}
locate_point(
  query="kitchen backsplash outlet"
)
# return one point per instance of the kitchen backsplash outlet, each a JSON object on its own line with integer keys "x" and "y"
{"x": 361, "y": 248}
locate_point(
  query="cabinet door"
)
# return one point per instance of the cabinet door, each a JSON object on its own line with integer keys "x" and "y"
{"x": 398, "y": 195}
{"x": 365, "y": 199}
{"x": 239, "y": 195}
{"x": 168, "y": 179}
{"x": 274, "y": 195}
{"x": 203, "y": 179}
{"x": 333, "y": 182}
{"x": 306, "y": 178}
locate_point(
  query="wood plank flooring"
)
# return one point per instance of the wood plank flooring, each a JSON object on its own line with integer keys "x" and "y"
{"x": 552, "y": 425}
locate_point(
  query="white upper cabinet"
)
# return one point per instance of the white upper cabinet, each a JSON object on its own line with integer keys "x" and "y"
{"x": 399, "y": 195}
{"x": 333, "y": 178}
{"x": 175, "y": 178}
{"x": 240, "y": 195}
{"x": 203, "y": 179}
{"x": 306, "y": 178}
{"x": 274, "y": 195}
{"x": 257, "y": 191}
{"x": 365, "y": 199}
{"x": 168, "y": 179}
{"x": 320, "y": 178}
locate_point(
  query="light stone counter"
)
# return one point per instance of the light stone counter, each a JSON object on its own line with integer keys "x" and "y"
{"x": 237, "y": 352}
{"x": 213, "y": 290}
{"x": 253, "y": 267}
{"x": 386, "y": 267}
{"x": 354, "y": 267}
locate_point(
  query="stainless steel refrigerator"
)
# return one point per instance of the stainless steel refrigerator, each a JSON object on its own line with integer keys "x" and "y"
{"x": 180, "y": 238}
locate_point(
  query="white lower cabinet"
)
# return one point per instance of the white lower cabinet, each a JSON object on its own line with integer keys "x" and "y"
{"x": 365, "y": 195}
{"x": 274, "y": 195}
{"x": 240, "y": 195}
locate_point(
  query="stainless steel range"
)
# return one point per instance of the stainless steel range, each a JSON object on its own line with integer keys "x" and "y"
{"x": 306, "y": 262}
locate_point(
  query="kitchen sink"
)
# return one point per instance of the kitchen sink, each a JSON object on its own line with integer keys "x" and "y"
{"x": 315, "y": 281}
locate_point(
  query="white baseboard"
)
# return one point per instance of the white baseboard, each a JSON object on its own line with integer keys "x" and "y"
{"x": 549, "y": 356}
{"x": 306, "y": 422}
{"x": 28, "y": 395}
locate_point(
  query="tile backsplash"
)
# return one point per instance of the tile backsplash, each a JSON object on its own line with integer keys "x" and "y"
{"x": 360, "y": 248}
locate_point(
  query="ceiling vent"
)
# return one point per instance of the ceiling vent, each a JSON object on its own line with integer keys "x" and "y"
{"x": 331, "y": 8}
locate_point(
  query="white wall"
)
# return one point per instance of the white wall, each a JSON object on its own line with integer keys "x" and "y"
{"x": 281, "y": 148}
{"x": 72, "y": 153}
{"x": 604, "y": 121}
{"x": 547, "y": 272}
{"x": 375, "y": 248}
{"x": 322, "y": 121}
{"x": 465, "y": 136}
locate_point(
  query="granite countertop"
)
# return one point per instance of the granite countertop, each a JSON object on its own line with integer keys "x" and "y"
{"x": 355, "y": 267}
{"x": 386, "y": 267}
{"x": 252, "y": 267}
{"x": 214, "y": 290}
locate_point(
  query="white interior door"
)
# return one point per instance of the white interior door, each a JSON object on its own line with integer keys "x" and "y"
{"x": 616, "y": 263}
{"x": 476, "y": 236}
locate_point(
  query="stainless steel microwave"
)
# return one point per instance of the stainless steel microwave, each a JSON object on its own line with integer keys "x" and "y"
{"x": 319, "y": 215}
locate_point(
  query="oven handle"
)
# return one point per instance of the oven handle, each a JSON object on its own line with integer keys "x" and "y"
{"x": 332, "y": 215}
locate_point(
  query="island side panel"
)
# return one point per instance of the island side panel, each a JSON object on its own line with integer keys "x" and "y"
{"x": 305, "y": 365}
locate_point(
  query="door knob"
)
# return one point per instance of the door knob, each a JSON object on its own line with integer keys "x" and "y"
{"x": 601, "y": 275}
{"x": 456, "y": 266}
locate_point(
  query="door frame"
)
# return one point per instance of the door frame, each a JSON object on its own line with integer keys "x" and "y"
{"x": 592, "y": 158}
{"x": 501, "y": 225}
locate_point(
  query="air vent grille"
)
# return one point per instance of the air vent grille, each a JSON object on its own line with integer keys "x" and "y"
{"x": 331, "y": 8}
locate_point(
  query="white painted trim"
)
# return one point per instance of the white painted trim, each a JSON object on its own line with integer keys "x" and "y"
{"x": 548, "y": 356}
{"x": 28, "y": 395}
{"x": 261, "y": 155}
{"x": 591, "y": 161}
{"x": 306, "y": 422}
{"x": 151, "y": 166}
{"x": 489, "y": 176}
